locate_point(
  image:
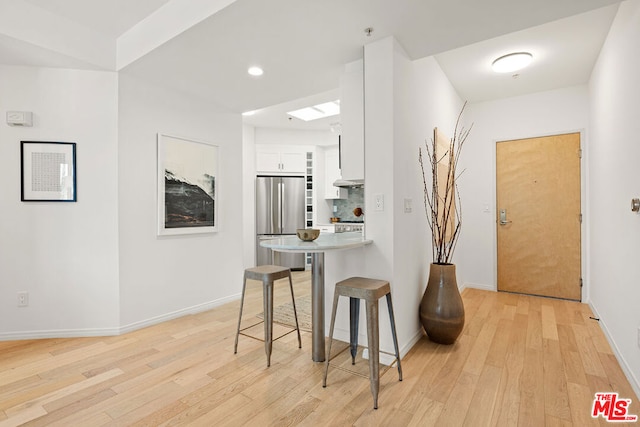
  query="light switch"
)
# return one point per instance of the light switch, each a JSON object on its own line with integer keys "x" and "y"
{"x": 408, "y": 205}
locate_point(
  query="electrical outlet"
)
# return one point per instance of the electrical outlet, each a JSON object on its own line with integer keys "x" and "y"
{"x": 23, "y": 299}
{"x": 379, "y": 202}
{"x": 408, "y": 205}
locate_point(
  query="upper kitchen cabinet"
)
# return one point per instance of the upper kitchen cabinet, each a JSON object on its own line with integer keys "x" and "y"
{"x": 279, "y": 160}
{"x": 352, "y": 121}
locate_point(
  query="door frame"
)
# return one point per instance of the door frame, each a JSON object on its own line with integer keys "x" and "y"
{"x": 584, "y": 230}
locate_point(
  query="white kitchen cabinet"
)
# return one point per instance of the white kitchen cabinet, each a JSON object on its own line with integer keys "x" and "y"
{"x": 293, "y": 162}
{"x": 352, "y": 122}
{"x": 278, "y": 161}
{"x": 331, "y": 174}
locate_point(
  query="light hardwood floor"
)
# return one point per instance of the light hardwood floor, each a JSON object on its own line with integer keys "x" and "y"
{"x": 520, "y": 361}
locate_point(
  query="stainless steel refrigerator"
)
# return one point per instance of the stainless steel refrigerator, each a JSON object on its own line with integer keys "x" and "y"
{"x": 280, "y": 210}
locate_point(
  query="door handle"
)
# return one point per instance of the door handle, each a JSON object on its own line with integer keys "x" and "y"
{"x": 503, "y": 217}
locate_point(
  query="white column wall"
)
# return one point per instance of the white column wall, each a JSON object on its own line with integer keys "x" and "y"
{"x": 249, "y": 195}
{"x": 64, "y": 254}
{"x": 429, "y": 101}
{"x": 164, "y": 277}
{"x": 614, "y": 179}
{"x": 404, "y": 100}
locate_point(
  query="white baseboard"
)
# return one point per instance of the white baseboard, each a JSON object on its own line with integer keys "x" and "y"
{"x": 479, "y": 286}
{"x": 635, "y": 384}
{"x": 59, "y": 333}
{"x": 199, "y": 308}
{"x": 100, "y": 332}
{"x": 386, "y": 355}
{"x": 387, "y": 358}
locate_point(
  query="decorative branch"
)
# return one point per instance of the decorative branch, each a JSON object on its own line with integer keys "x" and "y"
{"x": 444, "y": 214}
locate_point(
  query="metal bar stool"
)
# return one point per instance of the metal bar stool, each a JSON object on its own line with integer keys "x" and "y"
{"x": 370, "y": 290}
{"x": 268, "y": 274}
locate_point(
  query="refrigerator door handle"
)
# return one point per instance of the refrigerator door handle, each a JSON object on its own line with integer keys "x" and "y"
{"x": 270, "y": 213}
{"x": 274, "y": 207}
{"x": 280, "y": 205}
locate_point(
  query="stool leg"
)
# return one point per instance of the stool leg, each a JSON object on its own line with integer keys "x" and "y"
{"x": 333, "y": 322}
{"x": 244, "y": 286}
{"x": 374, "y": 349}
{"x": 295, "y": 313}
{"x": 354, "y": 318}
{"x": 267, "y": 297}
{"x": 393, "y": 333}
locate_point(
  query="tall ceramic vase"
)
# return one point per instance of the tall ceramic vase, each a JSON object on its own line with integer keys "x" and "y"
{"x": 441, "y": 309}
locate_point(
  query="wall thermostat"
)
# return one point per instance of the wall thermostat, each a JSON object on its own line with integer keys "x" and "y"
{"x": 20, "y": 118}
{"x": 635, "y": 205}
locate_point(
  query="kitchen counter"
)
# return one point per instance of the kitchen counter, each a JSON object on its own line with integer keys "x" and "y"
{"x": 324, "y": 242}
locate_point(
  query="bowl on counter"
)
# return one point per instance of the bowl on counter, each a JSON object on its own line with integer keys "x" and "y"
{"x": 307, "y": 234}
{"x": 334, "y": 219}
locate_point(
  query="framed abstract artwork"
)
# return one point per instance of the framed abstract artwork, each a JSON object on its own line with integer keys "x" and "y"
{"x": 48, "y": 171}
{"x": 187, "y": 186}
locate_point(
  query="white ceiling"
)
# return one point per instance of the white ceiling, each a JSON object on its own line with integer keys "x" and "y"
{"x": 303, "y": 44}
{"x": 110, "y": 17}
{"x": 564, "y": 53}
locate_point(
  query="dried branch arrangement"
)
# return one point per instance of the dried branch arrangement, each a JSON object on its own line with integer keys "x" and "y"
{"x": 443, "y": 211}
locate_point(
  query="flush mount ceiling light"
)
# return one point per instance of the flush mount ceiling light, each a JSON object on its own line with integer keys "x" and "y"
{"x": 249, "y": 113}
{"x": 512, "y": 62}
{"x": 255, "y": 71}
{"x": 319, "y": 111}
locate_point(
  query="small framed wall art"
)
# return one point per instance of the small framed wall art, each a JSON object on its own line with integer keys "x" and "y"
{"x": 187, "y": 186}
{"x": 48, "y": 171}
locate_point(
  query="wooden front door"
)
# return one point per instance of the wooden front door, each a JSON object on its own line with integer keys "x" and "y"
{"x": 538, "y": 215}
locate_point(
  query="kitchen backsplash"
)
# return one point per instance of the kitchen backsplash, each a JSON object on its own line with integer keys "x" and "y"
{"x": 346, "y": 206}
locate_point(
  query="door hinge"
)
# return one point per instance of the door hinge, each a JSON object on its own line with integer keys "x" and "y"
{"x": 581, "y": 284}
{"x": 580, "y": 153}
{"x": 580, "y": 218}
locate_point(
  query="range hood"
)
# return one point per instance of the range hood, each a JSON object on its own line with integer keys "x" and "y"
{"x": 349, "y": 183}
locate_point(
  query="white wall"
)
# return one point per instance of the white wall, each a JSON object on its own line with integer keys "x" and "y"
{"x": 64, "y": 254}
{"x": 429, "y": 102}
{"x": 614, "y": 179}
{"x": 249, "y": 195}
{"x": 161, "y": 277}
{"x": 545, "y": 113}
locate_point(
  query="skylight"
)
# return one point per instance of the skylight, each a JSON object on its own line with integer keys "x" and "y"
{"x": 319, "y": 111}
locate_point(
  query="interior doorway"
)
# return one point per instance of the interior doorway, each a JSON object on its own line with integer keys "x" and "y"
{"x": 539, "y": 218}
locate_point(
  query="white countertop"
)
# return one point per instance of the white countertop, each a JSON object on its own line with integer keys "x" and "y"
{"x": 324, "y": 242}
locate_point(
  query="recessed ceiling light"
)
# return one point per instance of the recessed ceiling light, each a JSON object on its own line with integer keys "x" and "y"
{"x": 319, "y": 111}
{"x": 255, "y": 71}
{"x": 512, "y": 62}
{"x": 249, "y": 113}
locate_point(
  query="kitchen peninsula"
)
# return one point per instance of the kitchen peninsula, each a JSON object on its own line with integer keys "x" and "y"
{"x": 324, "y": 242}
